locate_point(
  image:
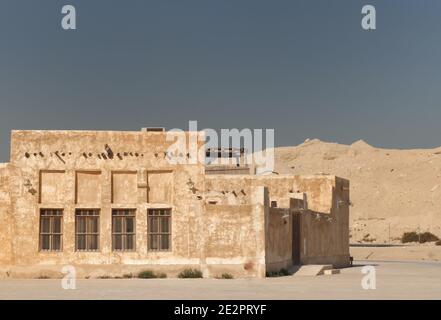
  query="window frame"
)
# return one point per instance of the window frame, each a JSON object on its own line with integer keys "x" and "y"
{"x": 51, "y": 233}
{"x": 159, "y": 234}
{"x": 88, "y": 233}
{"x": 124, "y": 235}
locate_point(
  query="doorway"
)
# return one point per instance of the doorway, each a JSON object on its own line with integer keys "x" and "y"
{"x": 296, "y": 220}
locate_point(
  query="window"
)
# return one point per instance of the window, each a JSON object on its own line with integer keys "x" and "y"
{"x": 87, "y": 230}
{"x": 51, "y": 229}
{"x": 159, "y": 229}
{"x": 123, "y": 230}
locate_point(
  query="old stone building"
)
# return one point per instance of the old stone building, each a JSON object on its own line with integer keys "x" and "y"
{"x": 111, "y": 203}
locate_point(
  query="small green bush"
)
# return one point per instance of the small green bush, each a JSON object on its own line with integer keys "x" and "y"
{"x": 284, "y": 272}
{"x": 271, "y": 274}
{"x": 410, "y": 237}
{"x": 281, "y": 273}
{"x": 190, "y": 273}
{"x": 418, "y": 237}
{"x": 227, "y": 276}
{"x": 127, "y": 276}
{"x": 150, "y": 274}
{"x": 428, "y": 237}
{"x": 147, "y": 274}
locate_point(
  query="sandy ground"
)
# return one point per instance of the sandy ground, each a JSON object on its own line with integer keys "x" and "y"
{"x": 394, "y": 280}
{"x": 405, "y": 253}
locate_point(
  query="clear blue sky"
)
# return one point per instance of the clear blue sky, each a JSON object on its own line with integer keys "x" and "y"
{"x": 305, "y": 68}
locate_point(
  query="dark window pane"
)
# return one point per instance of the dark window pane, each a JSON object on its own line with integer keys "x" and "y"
{"x": 45, "y": 225}
{"x": 123, "y": 229}
{"x": 117, "y": 242}
{"x": 56, "y": 242}
{"x": 153, "y": 225}
{"x": 81, "y": 243}
{"x": 87, "y": 229}
{"x": 92, "y": 225}
{"x": 56, "y": 224}
{"x": 93, "y": 242}
{"x": 130, "y": 225}
{"x": 51, "y": 229}
{"x": 165, "y": 243}
{"x": 81, "y": 225}
{"x": 117, "y": 224}
{"x": 45, "y": 242}
{"x": 159, "y": 229}
{"x": 130, "y": 242}
{"x": 88, "y": 239}
{"x": 165, "y": 224}
{"x": 153, "y": 241}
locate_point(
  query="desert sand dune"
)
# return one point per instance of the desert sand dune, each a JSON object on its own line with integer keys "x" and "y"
{"x": 396, "y": 190}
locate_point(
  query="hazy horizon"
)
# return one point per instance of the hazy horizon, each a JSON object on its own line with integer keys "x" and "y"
{"x": 304, "y": 68}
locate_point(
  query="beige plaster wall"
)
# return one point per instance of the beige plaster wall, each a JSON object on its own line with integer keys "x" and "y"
{"x": 235, "y": 236}
{"x": 323, "y": 241}
{"x": 5, "y": 216}
{"x": 50, "y": 167}
{"x": 220, "y": 223}
{"x": 278, "y": 239}
{"x": 325, "y": 238}
{"x": 319, "y": 189}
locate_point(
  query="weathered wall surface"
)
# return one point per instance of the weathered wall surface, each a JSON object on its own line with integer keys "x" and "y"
{"x": 278, "y": 239}
{"x": 319, "y": 189}
{"x": 219, "y": 169}
{"x": 5, "y": 217}
{"x": 220, "y": 223}
{"x": 324, "y": 226}
{"x": 64, "y": 169}
{"x": 235, "y": 236}
{"x": 325, "y": 238}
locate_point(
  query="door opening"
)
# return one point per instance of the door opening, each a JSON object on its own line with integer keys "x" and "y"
{"x": 296, "y": 238}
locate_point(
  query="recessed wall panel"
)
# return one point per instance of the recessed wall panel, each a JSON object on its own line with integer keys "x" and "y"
{"x": 124, "y": 187}
{"x": 88, "y": 187}
{"x": 53, "y": 187}
{"x": 160, "y": 187}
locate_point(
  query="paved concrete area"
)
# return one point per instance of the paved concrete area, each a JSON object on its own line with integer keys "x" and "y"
{"x": 395, "y": 280}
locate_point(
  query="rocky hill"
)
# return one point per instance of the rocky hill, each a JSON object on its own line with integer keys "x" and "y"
{"x": 392, "y": 191}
